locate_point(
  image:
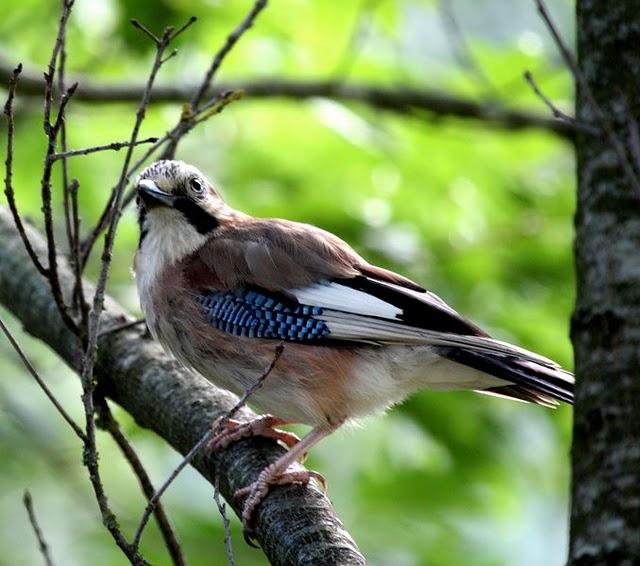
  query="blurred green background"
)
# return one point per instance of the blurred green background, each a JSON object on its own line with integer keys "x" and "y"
{"x": 481, "y": 216}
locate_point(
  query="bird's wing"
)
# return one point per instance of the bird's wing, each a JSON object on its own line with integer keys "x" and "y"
{"x": 312, "y": 267}
{"x": 282, "y": 280}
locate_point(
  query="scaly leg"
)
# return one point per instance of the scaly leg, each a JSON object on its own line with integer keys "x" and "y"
{"x": 234, "y": 431}
{"x": 277, "y": 474}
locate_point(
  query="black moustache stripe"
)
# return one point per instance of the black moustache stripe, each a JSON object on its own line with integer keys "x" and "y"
{"x": 200, "y": 219}
{"x": 142, "y": 214}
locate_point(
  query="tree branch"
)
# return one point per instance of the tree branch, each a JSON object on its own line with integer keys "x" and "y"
{"x": 294, "y": 525}
{"x": 403, "y": 100}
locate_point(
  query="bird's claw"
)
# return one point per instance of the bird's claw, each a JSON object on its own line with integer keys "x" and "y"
{"x": 234, "y": 430}
{"x": 258, "y": 490}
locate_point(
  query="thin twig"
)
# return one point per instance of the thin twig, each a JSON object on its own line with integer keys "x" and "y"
{"x": 42, "y": 543}
{"x": 66, "y": 205}
{"x": 144, "y": 29}
{"x": 78, "y": 289}
{"x": 107, "y": 421}
{"x": 210, "y": 434}
{"x": 555, "y": 111}
{"x": 226, "y": 524}
{"x": 51, "y": 131}
{"x": 183, "y": 27}
{"x": 602, "y": 119}
{"x": 170, "y": 56}
{"x": 116, "y": 146}
{"x": 251, "y": 390}
{"x": 8, "y": 176}
{"x": 174, "y": 474}
{"x": 32, "y": 370}
{"x": 232, "y": 39}
{"x": 51, "y": 69}
{"x": 216, "y": 105}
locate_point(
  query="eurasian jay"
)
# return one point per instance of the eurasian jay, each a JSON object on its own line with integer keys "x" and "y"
{"x": 220, "y": 290}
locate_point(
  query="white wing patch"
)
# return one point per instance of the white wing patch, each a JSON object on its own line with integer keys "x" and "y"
{"x": 351, "y": 314}
{"x": 338, "y": 297}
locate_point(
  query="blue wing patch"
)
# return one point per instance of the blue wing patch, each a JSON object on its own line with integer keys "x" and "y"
{"x": 256, "y": 315}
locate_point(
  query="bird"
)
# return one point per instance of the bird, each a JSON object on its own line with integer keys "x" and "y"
{"x": 229, "y": 294}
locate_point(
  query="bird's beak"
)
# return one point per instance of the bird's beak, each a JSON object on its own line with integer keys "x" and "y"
{"x": 151, "y": 195}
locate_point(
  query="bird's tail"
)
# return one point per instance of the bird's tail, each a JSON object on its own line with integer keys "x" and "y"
{"x": 530, "y": 378}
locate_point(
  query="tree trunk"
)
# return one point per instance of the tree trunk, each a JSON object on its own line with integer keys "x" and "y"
{"x": 605, "y": 516}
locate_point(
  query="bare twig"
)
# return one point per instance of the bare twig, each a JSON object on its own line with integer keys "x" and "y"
{"x": 555, "y": 111}
{"x": 183, "y": 27}
{"x": 210, "y": 434}
{"x": 52, "y": 130}
{"x": 116, "y": 146}
{"x": 216, "y": 105}
{"x": 251, "y": 390}
{"x": 68, "y": 222}
{"x": 107, "y": 421}
{"x": 585, "y": 88}
{"x": 8, "y": 176}
{"x": 232, "y": 39}
{"x": 51, "y": 70}
{"x": 144, "y": 29}
{"x": 32, "y": 370}
{"x": 78, "y": 290}
{"x": 42, "y": 543}
{"x": 226, "y": 524}
{"x": 174, "y": 474}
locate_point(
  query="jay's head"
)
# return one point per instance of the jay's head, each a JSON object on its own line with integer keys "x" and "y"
{"x": 176, "y": 199}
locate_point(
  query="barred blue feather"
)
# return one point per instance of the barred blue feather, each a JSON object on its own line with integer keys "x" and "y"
{"x": 257, "y": 315}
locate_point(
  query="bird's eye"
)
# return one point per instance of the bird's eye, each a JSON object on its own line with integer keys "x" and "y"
{"x": 196, "y": 186}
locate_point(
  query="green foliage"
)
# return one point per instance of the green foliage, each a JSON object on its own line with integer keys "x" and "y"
{"x": 482, "y": 217}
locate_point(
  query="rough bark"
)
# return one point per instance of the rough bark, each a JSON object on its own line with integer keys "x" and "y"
{"x": 294, "y": 525}
{"x": 605, "y": 517}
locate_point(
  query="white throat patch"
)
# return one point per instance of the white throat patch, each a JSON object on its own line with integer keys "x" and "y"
{"x": 169, "y": 238}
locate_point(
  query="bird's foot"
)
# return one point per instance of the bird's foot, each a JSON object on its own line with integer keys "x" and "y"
{"x": 255, "y": 493}
{"x": 234, "y": 430}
